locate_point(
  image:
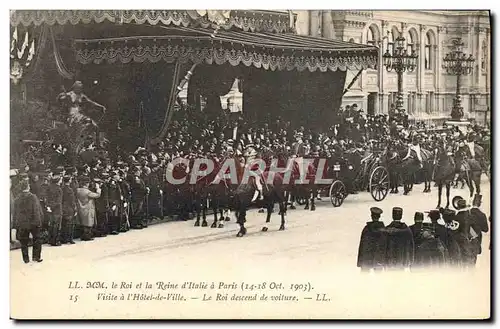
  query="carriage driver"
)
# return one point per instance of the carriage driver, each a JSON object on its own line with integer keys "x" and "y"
{"x": 415, "y": 146}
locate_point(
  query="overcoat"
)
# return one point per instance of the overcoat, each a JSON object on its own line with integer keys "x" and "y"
{"x": 400, "y": 246}
{"x": 371, "y": 252}
{"x": 86, "y": 206}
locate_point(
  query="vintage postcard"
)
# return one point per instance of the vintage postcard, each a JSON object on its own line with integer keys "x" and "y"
{"x": 250, "y": 164}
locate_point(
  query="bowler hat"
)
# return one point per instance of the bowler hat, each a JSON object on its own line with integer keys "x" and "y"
{"x": 477, "y": 200}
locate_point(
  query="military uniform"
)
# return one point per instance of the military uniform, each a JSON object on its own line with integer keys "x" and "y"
{"x": 102, "y": 208}
{"x": 68, "y": 212}
{"x": 54, "y": 211}
{"x": 371, "y": 251}
{"x": 27, "y": 219}
{"x": 115, "y": 199}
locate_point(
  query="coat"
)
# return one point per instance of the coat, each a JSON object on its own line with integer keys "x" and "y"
{"x": 68, "y": 201}
{"x": 429, "y": 250}
{"x": 371, "y": 251}
{"x": 400, "y": 246}
{"x": 54, "y": 199}
{"x": 27, "y": 211}
{"x": 480, "y": 224}
{"x": 86, "y": 206}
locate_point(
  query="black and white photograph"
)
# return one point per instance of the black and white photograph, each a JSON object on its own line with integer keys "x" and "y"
{"x": 250, "y": 164}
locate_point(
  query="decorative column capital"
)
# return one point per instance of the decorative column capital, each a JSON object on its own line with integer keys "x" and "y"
{"x": 423, "y": 28}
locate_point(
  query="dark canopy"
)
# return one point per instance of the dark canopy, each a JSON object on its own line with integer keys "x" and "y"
{"x": 144, "y": 55}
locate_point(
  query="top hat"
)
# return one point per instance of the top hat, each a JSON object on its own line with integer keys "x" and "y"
{"x": 477, "y": 200}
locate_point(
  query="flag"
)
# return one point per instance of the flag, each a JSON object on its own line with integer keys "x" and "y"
{"x": 14, "y": 40}
{"x": 20, "y": 53}
{"x": 31, "y": 53}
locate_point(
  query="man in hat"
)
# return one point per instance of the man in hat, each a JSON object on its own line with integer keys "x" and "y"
{"x": 371, "y": 251}
{"x": 126, "y": 200}
{"x": 54, "y": 209}
{"x": 468, "y": 234}
{"x": 138, "y": 196}
{"x": 86, "y": 207}
{"x": 27, "y": 220}
{"x": 400, "y": 245}
{"x": 415, "y": 147}
{"x": 102, "y": 207}
{"x": 115, "y": 198}
{"x": 69, "y": 211}
{"x": 479, "y": 222}
{"x": 439, "y": 229}
{"x": 454, "y": 238}
{"x": 299, "y": 151}
{"x": 417, "y": 227}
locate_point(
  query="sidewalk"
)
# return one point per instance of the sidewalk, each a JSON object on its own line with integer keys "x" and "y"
{"x": 16, "y": 244}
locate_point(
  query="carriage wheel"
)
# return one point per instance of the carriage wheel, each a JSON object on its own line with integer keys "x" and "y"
{"x": 338, "y": 193}
{"x": 379, "y": 183}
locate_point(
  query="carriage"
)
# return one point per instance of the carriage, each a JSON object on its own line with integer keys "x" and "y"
{"x": 369, "y": 175}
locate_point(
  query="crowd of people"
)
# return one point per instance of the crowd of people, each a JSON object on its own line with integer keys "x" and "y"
{"x": 110, "y": 192}
{"x": 447, "y": 239}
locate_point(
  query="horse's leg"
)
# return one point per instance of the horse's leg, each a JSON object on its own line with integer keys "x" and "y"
{"x": 215, "y": 208}
{"x": 269, "y": 207}
{"x": 313, "y": 196}
{"x": 241, "y": 222}
{"x": 440, "y": 191}
{"x": 283, "y": 215}
{"x": 448, "y": 187}
{"x": 305, "y": 194}
{"x": 204, "y": 206}
{"x": 293, "y": 195}
{"x": 198, "y": 206}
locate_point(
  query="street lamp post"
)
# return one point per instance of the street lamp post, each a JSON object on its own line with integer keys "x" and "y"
{"x": 400, "y": 61}
{"x": 458, "y": 63}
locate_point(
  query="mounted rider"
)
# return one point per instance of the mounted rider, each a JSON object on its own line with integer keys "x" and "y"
{"x": 415, "y": 148}
{"x": 299, "y": 152}
{"x": 249, "y": 155}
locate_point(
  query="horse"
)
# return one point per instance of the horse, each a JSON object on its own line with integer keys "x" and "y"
{"x": 407, "y": 168}
{"x": 309, "y": 190}
{"x": 443, "y": 173}
{"x": 472, "y": 168}
{"x": 272, "y": 192}
{"x": 219, "y": 192}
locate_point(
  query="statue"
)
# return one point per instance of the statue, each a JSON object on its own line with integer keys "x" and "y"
{"x": 80, "y": 127}
{"x": 75, "y": 101}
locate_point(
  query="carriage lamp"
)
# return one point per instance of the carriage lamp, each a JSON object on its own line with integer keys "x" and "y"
{"x": 400, "y": 60}
{"x": 458, "y": 63}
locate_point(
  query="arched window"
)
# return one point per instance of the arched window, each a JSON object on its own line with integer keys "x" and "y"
{"x": 428, "y": 51}
{"x": 484, "y": 55}
{"x": 410, "y": 43}
{"x": 370, "y": 37}
{"x": 391, "y": 37}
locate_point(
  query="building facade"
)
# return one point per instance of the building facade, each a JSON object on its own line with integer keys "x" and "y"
{"x": 428, "y": 91}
